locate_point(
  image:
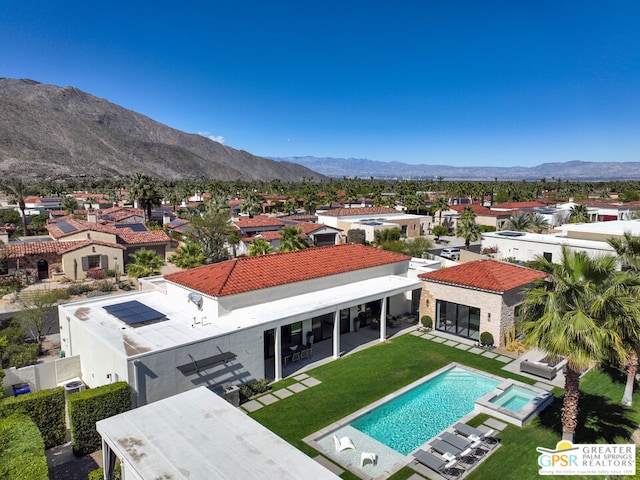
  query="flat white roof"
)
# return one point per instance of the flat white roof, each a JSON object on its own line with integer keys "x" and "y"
{"x": 198, "y": 435}
{"x": 554, "y": 239}
{"x": 614, "y": 227}
{"x": 179, "y": 328}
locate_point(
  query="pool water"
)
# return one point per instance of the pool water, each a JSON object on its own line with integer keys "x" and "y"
{"x": 514, "y": 398}
{"x": 408, "y": 421}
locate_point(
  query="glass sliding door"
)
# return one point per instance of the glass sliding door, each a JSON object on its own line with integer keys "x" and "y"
{"x": 461, "y": 320}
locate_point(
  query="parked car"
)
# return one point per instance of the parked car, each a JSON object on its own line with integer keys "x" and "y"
{"x": 450, "y": 253}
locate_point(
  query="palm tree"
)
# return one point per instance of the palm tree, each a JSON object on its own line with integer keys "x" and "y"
{"x": 259, "y": 247}
{"x": 146, "y": 263}
{"x": 252, "y": 204}
{"x": 468, "y": 212}
{"x": 291, "y": 240}
{"x": 440, "y": 204}
{"x": 518, "y": 222}
{"x": 189, "y": 255}
{"x": 144, "y": 189}
{"x": 18, "y": 191}
{"x": 537, "y": 223}
{"x": 628, "y": 251}
{"x": 579, "y": 214}
{"x": 565, "y": 315}
{"x": 69, "y": 203}
{"x": 469, "y": 230}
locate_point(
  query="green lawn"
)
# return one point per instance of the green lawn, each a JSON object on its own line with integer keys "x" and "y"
{"x": 357, "y": 380}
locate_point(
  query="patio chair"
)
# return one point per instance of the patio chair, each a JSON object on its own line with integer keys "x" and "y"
{"x": 343, "y": 443}
{"x": 475, "y": 434}
{"x": 368, "y": 457}
{"x": 468, "y": 450}
{"x": 443, "y": 467}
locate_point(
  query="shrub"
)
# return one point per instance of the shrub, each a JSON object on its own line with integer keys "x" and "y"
{"x": 427, "y": 322}
{"x": 356, "y": 235}
{"x": 248, "y": 390}
{"x": 486, "y": 339}
{"x": 88, "y": 407}
{"x": 20, "y": 355}
{"x": 45, "y": 408}
{"x": 22, "y": 453}
{"x": 105, "y": 286}
{"x": 9, "y": 285}
{"x": 79, "y": 289}
{"x": 126, "y": 286}
{"x": 95, "y": 273}
{"x": 109, "y": 273}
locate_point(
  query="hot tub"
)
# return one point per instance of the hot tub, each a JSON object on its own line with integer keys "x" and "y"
{"x": 514, "y": 402}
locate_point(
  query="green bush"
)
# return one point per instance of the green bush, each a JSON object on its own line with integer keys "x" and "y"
{"x": 427, "y": 321}
{"x": 109, "y": 273}
{"x": 486, "y": 339}
{"x": 88, "y": 407}
{"x": 79, "y": 288}
{"x": 126, "y": 286}
{"x": 21, "y": 450}
{"x": 105, "y": 286}
{"x": 45, "y": 408}
{"x": 248, "y": 390}
{"x": 20, "y": 355}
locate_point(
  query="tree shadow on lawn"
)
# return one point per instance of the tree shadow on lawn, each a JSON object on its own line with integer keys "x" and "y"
{"x": 600, "y": 419}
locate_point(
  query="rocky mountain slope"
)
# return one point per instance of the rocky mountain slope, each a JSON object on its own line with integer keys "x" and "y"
{"x": 48, "y": 131}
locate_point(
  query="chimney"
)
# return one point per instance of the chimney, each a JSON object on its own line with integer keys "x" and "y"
{"x": 92, "y": 216}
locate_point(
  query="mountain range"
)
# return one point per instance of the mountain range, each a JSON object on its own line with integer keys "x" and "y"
{"x": 48, "y": 131}
{"x": 575, "y": 170}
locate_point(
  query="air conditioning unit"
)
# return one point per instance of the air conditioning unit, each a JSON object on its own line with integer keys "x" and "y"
{"x": 73, "y": 387}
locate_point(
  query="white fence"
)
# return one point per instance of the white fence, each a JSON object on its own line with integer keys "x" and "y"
{"x": 43, "y": 375}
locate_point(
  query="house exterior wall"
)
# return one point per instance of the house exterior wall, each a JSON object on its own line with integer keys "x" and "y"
{"x": 72, "y": 261}
{"x": 500, "y": 309}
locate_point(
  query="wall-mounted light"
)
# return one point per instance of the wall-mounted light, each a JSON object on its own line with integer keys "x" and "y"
{"x": 489, "y": 316}
{"x": 427, "y": 302}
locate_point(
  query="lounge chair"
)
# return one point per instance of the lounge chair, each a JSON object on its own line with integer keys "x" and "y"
{"x": 475, "y": 434}
{"x": 438, "y": 465}
{"x": 468, "y": 450}
{"x": 447, "y": 450}
{"x": 343, "y": 443}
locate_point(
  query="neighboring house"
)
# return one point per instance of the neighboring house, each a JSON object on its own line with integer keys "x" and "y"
{"x": 590, "y": 238}
{"x": 199, "y": 435}
{"x": 372, "y": 219}
{"x": 475, "y": 297}
{"x": 604, "y": 210}
{"x": 319, "y": 235}
{"x": 73, "y": 258}
{"x": 233, "y": 321}
{"x": 249, "y": 226}
{"x": 484, "y": 216}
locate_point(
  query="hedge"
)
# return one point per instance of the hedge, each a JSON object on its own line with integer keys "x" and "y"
{"x": 45, "y": 408}
{"x": 21, "y": 450}
{"x": 88, "y": 407}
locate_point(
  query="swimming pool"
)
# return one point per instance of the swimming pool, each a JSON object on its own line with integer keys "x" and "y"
{"x": 514, "y": 398}
{"x": 408, "y": 421}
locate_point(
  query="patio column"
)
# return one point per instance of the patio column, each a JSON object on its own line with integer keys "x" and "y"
{"x": 336, "y": 334}
{"x": 277, "y": 354}
{"x": 108, "y": 460}
{"x": 383, "y": 320}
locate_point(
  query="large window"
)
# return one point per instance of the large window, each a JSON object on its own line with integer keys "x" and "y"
{"x": 458, "y": 319}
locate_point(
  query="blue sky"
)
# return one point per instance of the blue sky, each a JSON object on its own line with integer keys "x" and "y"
{"x": 462, "y": 83}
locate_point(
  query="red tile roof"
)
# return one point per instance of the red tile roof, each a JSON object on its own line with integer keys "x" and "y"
{"x": 348, "y": 212}
{"x": 151, "y": 236}
{"x": 489, "y": 275}
{"x": 22, "y": 250}
{"x": 308, "y": 227}
{"x": 257, "y": 221}
{"x": 479, "y": 210}
{"x": 246, "y": 274}
{"x": 515, "y": 205}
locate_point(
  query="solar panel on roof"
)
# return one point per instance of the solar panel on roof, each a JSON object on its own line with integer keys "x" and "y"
{"x": 136, "y": 227}
{"x": 133, "y": 312}
{"x": 65, "y": 227}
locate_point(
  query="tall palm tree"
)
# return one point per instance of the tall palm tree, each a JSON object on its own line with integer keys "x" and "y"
{"x": 537, "y": 223}
{"x": 144, "y": 189}
{"x": 628, "y": 251}
{"x": 440, "y": 205}
{"x": 291, "y": 240}
{"x": 518, "y": 222}
{"x": 469, "y": 230}
{"x": 565, "y": 315}
{"x": 18, "y": 191}
{"x": 69, "y": 203}
{"x": 579, "y": 214}
{"x": 188, "y": 255}
{"x": 259, "y": 247}
{"x": 252, "y": 204}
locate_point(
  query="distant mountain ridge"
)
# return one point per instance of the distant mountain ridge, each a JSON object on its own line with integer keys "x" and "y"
{"x": 572, "y": 170}
{"x": 48, "y": 131}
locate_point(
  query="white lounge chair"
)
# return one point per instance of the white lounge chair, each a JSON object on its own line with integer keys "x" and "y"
{"x": 343, "y": 443}
{"x": 368, "y": 457}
